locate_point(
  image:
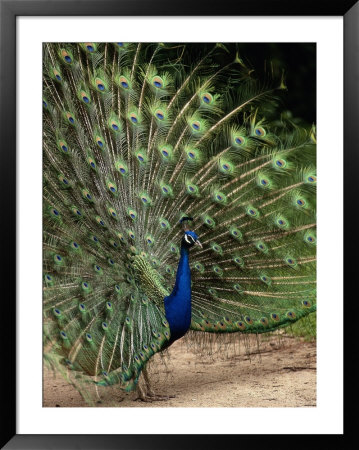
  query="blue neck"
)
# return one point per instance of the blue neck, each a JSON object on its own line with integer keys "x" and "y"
{"x": 178, "y": 303}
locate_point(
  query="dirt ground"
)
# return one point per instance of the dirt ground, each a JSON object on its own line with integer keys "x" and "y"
{"x": 281, "y": 374}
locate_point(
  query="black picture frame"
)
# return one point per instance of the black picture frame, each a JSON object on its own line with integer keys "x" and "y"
{"x": 9, "y": 10}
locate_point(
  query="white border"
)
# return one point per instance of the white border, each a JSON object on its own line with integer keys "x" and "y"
{"x": 327, "y": 416}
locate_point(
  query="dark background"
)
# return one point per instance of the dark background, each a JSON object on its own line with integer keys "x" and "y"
{"x": 297, "y": 61}
{"x": 299, "y": 64}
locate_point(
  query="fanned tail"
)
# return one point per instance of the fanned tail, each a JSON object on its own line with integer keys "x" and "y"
{"x": 135, "y": 137}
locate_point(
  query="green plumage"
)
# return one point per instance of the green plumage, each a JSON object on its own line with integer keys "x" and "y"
{"x": 136, "y": 136}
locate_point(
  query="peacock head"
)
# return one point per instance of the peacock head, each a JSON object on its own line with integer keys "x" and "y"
{"x": 189, "y": 238}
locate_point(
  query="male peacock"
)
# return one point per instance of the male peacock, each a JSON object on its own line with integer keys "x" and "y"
{"x": 148, "y": 152}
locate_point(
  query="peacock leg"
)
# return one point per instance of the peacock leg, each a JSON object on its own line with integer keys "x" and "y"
{"x": 143, "y": 388}
{"x": 150, "y": 392}
{"x": 142, "y": 395}
{"x": 146, "y": 394}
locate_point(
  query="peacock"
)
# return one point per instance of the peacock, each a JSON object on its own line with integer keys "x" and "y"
{"x": 175, "y": 197}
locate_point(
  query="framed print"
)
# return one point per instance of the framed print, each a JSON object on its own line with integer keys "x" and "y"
{"x": 167, "y": 188}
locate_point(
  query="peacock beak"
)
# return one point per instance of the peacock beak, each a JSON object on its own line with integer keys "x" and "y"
{"x": 199, "y": 243}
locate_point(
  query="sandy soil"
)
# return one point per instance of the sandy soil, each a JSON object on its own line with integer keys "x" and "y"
{"x": 283, "y": 374}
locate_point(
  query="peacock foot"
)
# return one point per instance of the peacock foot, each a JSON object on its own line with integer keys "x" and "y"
{"x": 149, "y": 396}
{"x": 156, "y": 397}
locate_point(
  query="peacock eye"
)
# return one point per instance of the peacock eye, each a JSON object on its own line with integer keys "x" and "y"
{"x": 157, "y": 82}
{"x": 259, "y": 131}
{"x": 189, "y": 239}
{"x": 159, "y": 115}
